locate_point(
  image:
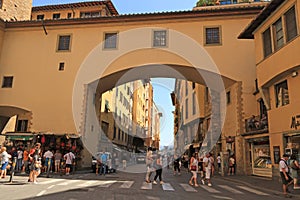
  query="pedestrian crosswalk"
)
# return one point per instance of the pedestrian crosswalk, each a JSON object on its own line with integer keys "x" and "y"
{"x": 216, "y": 190}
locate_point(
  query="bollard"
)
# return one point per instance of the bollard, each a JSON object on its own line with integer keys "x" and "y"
{"x": 12, "y": 169}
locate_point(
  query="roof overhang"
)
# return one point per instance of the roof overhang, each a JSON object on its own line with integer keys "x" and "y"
{"x": 259, "y": 19}
{"x": 176, "y": 15}
{"x": 109, "y": 5}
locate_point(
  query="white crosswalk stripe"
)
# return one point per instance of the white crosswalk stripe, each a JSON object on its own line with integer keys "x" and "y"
{"x": 230, "y": 189}
{"x": 88, "y": 183}
{"x": 127, "y": 184}
{"x": 210, "y": 189}
{"x": 146, "y": 186}
{"x": 51, "y": 181}
{"x": 68, "y": 182}
{"x": 215, "y": 190}
{"x": 188, "y": 188}
{"x": 252, "y": 190}
{"x": 167, "y": 187}
{"x": 106, "y": 184}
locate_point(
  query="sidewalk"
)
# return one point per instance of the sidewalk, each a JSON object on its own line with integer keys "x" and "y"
{"x": 267, "y": 184}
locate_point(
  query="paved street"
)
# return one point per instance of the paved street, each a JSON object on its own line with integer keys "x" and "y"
{"x": 132, "y": 186}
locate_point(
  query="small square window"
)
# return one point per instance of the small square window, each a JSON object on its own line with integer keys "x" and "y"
{"x": 291, "y": 24}
{"x": 282, "y": 94}
{"x": 212, "y": 35}
{"x": 64, "y": 43}
{"x": 40, "y": 17}
{"x": 160, "y": 38}
{"x": 228, "y": 97}
{"x": 22, "y": 125}
{"x": 7, "y": 82}
{"x": 267, "y": 42}
{"x": 110, "y": 40}
{"x": 56, "y": 16}
{"x": 61, "y": 66}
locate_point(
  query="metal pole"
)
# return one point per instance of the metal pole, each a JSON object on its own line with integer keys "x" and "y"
{"x": 12, "y": 169}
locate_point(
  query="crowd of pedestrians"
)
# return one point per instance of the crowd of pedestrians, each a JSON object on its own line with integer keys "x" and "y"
{"x": 33, "y": 161}
{"x": 204, "y": 166}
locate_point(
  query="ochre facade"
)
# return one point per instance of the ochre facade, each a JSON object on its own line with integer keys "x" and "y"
{"x": 43, "y": 93}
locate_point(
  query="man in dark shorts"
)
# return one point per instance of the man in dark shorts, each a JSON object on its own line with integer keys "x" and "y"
{"x": 284, "y": 173}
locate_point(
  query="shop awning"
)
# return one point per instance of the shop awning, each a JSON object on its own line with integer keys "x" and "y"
{"x": 10, "y": 125}
{"x": 19, "y": 136}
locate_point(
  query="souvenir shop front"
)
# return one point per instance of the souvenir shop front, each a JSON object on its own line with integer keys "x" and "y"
{"x": 64, "y": 143}
{"x": 292, "y": 143}
{"x": 260, "y": 156}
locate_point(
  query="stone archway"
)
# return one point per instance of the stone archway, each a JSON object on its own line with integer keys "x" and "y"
{"x": 103, "y": 70}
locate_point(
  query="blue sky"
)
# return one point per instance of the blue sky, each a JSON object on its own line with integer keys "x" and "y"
{"x": 162, "y": 87}
{"x": 135, "y": 6}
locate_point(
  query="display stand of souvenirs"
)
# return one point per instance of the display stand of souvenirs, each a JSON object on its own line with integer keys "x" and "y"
{"x": 63, "y": 143}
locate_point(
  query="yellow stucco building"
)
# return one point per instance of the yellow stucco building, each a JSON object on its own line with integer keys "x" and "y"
{"x": 53, "y": 63}
{"x": 276, "y": 35}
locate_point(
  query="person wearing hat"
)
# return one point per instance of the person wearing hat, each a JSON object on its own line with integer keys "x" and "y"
{"x": 284, "y": 174}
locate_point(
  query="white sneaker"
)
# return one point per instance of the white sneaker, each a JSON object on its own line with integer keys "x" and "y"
{"x": 161, "y": 182}
{"x": 297, "y": 188}
{"x": 203, "y": 182}
{"x": 154, "y": 182}
{"x": 209, "y": 184}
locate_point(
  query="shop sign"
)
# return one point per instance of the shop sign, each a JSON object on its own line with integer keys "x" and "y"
{"x": 295, "y": 122}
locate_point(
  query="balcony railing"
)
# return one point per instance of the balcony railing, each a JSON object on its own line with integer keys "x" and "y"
{"x": 256, "y": 124}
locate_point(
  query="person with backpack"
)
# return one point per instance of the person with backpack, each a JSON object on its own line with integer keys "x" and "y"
{"x": 284, "y": 174}
{"x": 69, "y": 158}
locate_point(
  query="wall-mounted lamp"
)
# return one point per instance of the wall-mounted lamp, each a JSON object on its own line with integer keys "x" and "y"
{"x": 294, "y": 74}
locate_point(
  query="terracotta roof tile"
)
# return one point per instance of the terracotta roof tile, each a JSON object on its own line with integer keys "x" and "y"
{"x": 109, "y": 5}
{"x": 216, "y": 12}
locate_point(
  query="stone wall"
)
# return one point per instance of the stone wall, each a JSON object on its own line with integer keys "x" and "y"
{"x": 16, "y": 10}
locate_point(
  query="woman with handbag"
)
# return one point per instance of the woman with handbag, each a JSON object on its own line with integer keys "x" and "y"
{"x": 194, "y": 170}
{"x": 36, "y": 163}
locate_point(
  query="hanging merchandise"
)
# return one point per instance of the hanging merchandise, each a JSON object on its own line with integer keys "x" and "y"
{"x": 43, "y": 140}
{"x": 74, "y": 145}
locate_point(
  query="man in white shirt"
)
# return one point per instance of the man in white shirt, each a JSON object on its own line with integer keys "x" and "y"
{"x": 207, "y": 165}
{"x": 48, "y": 156}
{"x": 219, "y": 162}
{"x": 284, "y": 173}
{"x": 69, "y": 157}
{"x": 19, "y": 159}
